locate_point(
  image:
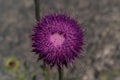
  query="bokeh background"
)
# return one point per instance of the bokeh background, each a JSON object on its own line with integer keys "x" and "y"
{"x": 100, "y": 19}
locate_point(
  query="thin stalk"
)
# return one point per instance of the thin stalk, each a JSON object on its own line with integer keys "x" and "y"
{"x": 60, "y": 73}
{"x": 46, "y": 72}
{"x": 37, "y": 9}
{"x": 37, "y": 15}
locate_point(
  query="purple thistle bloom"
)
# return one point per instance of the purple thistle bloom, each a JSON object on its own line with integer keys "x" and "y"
{"x": 57, "y": 39}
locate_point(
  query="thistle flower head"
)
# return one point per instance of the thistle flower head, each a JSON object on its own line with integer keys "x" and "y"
{"x": 57, "y": 39}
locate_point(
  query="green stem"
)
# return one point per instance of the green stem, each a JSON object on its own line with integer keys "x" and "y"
{"x": 37, "y": 15}
{"x": 47, "y": 74}
{"x": 37, "y": 9}
{"x": 60, "y": 73}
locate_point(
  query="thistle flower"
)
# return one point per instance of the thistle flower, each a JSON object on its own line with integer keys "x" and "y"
{"x": 57, "y": 39}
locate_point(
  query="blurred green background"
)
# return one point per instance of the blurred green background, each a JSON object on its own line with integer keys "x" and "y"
{"x": 101, "y": 56}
